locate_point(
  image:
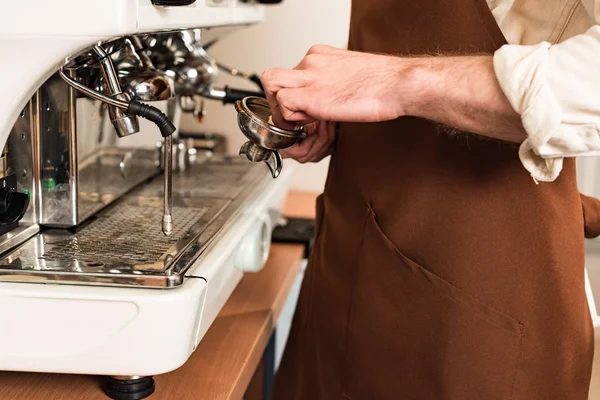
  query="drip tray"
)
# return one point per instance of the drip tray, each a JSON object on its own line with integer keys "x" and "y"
{"x": 128, "y": 236}
{"x": 124, "y": 245}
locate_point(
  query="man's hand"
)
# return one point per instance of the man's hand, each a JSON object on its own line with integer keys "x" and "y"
{"x": 338, "y": 85}
{"x": 318, "y": 144}
{"x": 334, "y": 85}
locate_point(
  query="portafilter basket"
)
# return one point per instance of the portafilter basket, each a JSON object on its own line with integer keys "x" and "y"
{"x": 264, "y": 138}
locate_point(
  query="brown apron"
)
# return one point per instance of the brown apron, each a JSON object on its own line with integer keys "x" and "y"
{"x": 440, "y": 269}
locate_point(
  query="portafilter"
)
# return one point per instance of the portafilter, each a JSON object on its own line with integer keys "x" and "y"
{"x": 265, "y": 139}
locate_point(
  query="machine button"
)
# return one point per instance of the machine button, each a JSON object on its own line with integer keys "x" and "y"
{"x": 254, "y": 248}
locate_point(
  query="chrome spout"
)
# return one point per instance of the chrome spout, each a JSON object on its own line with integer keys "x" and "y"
{"x": 125, "y": 124}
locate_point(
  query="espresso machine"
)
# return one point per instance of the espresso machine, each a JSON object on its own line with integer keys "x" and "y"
{"x": 116, "y": 258}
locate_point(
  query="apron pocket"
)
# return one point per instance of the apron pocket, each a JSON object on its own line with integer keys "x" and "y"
{"x": 412, "y": 335}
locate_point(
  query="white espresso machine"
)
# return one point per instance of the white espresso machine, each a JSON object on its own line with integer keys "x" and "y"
{"x": 114, "y": 259}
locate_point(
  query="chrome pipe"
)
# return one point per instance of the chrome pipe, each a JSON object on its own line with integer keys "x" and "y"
{"x": 123, "y": 105}
{"x": 167, "y": 223}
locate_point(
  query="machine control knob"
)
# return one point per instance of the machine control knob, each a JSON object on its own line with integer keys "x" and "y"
{"x": 173, "y": 2}
{"x": 254, "y": 248}
{"x": 13, "y": 206}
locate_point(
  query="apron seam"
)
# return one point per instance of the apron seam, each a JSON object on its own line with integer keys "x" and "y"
{"x": 517, "y": 362}
{"x": 351, "y": 307}
{"x": 483, "y": 7}
{"x": 563, "y": 21}
{"x": 311, "y": 262}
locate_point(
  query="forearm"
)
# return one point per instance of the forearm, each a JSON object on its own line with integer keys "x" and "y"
{"x": 460, "y": 92}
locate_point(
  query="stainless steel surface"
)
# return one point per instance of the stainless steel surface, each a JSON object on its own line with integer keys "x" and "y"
{"x": 137, "y": 75}
{"x": 20, "y": 156}
{"x": 187, "y": 103}
{"x": 21, "y": 159}
{"x": 17, "y": 236}
{"x": 111, "y": 79}
{"x": 125, "y": 124}
{"x": 101, "y": 178}
{"x": 167, "y": 221}
{"x": 178, "y": 55}
{"x": 125, "y": 164}
{"x": 123, "y": 247}
{"x": 180, "y": 158}
{"x": 253, "y": 119}
{"x": 58, "y": 161}
{"x": 195, "y": 72}
{"x": 205, "y": 142}
{"x": 81, "y": 170}
{"x": 147, "y": 85}
{"x": 221, "y": 178}
{"x": 194, "y": 76}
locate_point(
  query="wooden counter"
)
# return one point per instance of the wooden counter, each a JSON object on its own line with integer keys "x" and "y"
{"x": 226, "y": 359}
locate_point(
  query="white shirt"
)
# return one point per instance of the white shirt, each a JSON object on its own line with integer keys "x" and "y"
{"x": 550, "y": 72}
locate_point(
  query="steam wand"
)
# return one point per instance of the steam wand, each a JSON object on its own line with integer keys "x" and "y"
{"x": 152, "y": 114}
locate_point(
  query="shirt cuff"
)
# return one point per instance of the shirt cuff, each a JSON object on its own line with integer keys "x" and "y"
{"x": 522, "y": 73}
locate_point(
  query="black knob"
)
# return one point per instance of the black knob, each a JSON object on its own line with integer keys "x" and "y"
{"x": 269, "y": 1}
{"x": 256, "y": 79}
{"x": 13, "y": 206}
{"x": 233, "y": 95}
{"x": 173, "y": 2}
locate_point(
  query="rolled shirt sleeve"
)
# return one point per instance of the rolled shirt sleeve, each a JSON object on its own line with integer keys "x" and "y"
{"x": 556, "y": 90}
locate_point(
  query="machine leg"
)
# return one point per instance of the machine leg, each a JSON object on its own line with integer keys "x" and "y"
{"x": 269, "y": 365}
{"x": 129, "y": 387}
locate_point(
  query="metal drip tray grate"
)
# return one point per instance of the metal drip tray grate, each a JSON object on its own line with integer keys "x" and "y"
{"x": 124, "y": 245}
{"x": 129, "y": 235}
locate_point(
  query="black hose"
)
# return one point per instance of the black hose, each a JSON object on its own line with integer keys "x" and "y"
{"x": 256, "y": 79}
{"x": 233, "y": 95}
{"x": 153, "y": 114}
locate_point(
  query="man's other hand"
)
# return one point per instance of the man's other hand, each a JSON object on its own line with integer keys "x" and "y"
{"x": 318, "y": 144}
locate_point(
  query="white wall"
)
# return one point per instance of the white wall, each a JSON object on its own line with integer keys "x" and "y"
{"x": 281, "y": 41}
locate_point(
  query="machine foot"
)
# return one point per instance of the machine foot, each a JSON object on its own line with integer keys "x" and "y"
{"x": 129, "y": 388}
